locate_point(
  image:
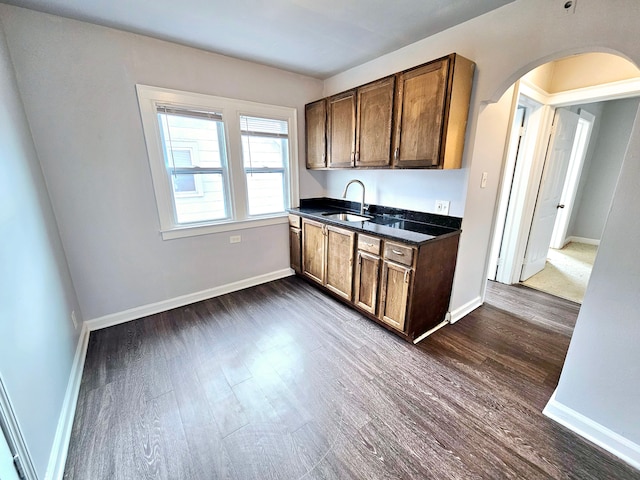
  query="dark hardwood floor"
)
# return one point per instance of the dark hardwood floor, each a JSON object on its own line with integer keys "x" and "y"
{"x": 282, "y": 382}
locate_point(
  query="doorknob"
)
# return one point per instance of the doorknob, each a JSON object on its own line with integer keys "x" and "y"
{"x": 560, "y": 206}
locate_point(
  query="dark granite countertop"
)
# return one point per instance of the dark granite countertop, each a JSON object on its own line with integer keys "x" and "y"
{"x": 406, "y": 226}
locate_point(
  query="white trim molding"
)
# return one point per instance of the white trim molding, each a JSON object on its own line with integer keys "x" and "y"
{"x": 592, "y": 431}
{"x": 465, "y": 309}
{"x": 596, "y": 93}
{"x": 58, "y": 455}
{"x": 588, "y": 241}
{"x": 10, "y": 428}
{"x": 164, "y": 305}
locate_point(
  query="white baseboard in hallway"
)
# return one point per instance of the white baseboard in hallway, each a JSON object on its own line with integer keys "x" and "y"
{"x": 614, "y": 443}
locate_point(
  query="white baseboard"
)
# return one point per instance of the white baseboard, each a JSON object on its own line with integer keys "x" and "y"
{"x": 588, "y": 241}
{"x": 58, "y": 456}
{"x": 164, "y": 305}
{"x": 611, "y": 441}
{"x": 465, "y": 309}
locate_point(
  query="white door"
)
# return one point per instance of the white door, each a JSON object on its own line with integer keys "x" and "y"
{"x": 565, "y": 124}
{"x": 7, "y": 468}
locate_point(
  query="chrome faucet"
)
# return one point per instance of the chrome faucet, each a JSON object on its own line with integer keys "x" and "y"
{"x": 344, "y": 194}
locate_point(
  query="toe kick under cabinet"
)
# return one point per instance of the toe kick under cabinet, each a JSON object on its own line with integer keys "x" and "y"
{"x": 402, "y": 286}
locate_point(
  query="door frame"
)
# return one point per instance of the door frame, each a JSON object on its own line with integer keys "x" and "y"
{"x": 526, "y": 180}
{"x": 11, "y": 429}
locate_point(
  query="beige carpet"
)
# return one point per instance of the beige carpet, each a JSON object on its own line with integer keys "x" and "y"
{"x": 567, "y": 271}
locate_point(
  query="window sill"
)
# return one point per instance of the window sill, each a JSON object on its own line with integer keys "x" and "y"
{"x": 194, "y": 230}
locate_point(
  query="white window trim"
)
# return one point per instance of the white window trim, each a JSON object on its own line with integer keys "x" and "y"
{"x": 149, "y": 97}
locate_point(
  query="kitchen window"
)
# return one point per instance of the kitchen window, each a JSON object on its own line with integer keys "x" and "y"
{"x": 218, "y": 164}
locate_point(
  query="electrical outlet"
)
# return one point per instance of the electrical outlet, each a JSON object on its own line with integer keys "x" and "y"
{"x": 235, "y": 239}
{"x": 442, "y": 207}
{"x": 73, "y": 319}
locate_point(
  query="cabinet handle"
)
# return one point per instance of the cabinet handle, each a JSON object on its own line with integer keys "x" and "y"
{"x": 357, "y": 157}
{"x": 406, "y": 276}
{"x": 324, "y": 157}
{"x": 396, "y": 153}
{"x": 398, "y": 252}
{"x": 359, "y": 258}
{"x": 353, "y": 156}
{"x": 370, "y": 244}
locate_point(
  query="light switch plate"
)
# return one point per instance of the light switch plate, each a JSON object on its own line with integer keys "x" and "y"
{"x": 235, "y": 239}
{"x": 442, "y": 207}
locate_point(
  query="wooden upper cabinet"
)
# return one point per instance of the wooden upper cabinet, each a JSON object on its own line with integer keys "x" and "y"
{"x": 374, "y": 110}
{"x": 431, "y": 109}
{"x": 341, "y": 130}
{"x": 419, "y": 115}
{"x": 316, "y": 126}
{"x": 413, "y": 119}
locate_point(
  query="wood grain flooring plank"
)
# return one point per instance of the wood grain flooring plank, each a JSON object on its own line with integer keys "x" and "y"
{"x": 207, "y": 452}
{"x": 283, "y": 382}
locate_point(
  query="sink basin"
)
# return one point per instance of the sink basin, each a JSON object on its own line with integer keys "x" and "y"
{"x": 346, "y": 217}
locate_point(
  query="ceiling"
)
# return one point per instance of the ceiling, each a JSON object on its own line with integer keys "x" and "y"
{"x": 313, "y": 37}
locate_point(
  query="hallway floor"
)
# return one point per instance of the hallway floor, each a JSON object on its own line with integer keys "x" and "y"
{"x": 567, "y": 272}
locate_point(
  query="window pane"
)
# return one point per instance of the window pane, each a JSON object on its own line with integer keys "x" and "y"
{"x": 204, "y": 202}
{"x": 265, "y": 192}
{"x": 264, "y": 152}
{"x": 199, "y": 134}
{"x": 194, "y": 142}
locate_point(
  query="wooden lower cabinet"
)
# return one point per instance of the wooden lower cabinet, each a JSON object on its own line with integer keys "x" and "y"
{"x": 295, "y": 249}
{"x": 366, "y": 282}
{"x": 313, "y": 250}
{"x": 339, "y": 261}
{"x": 394, "y": 295}
{"x": 405, "y": 287}
{"x": 327, "y": 256}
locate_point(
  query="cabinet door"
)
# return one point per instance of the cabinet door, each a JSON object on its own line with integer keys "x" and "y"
{"x": 339, "y": 273}
{"x": 373, "y": 124}
{"x": 366, "y": 281}
{"x": 394, "y": 294}
{"x": 315, "y": 129}
{"x": 419, "y": 118}
{"x": 341, "y": 130}
{"x": 295, "y": 249}
{"x": 313, "y": 250}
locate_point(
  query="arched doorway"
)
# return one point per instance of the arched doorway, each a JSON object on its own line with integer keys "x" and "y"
{"x": 592, "y": 94}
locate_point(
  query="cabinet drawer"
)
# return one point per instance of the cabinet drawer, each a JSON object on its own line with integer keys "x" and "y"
{"x": 398, "y": 253}
{"x": 369, "y": 244}
{"x": 295, "y": 221}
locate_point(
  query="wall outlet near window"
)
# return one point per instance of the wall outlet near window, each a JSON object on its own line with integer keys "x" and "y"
{"x": 235, "y": 239}
{"x": 442, "y": 207}
{"x": 73, "y": 319}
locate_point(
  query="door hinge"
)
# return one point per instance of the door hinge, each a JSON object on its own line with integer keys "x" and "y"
{"x": 19, "y": 468}
{"x": 499, "y": 262}
{"x": 523, "y": 130}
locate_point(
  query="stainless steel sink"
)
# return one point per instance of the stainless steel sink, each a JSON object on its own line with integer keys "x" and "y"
{"x": 347, "y": 217}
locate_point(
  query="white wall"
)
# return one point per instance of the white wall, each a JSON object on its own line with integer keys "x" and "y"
{"x": 600, "y": 179}
{"x": 601, "y": 375}
{"x": 37, "y": 338}
{"x": 506, "y": 43}
{"x": 78, "y": 85}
